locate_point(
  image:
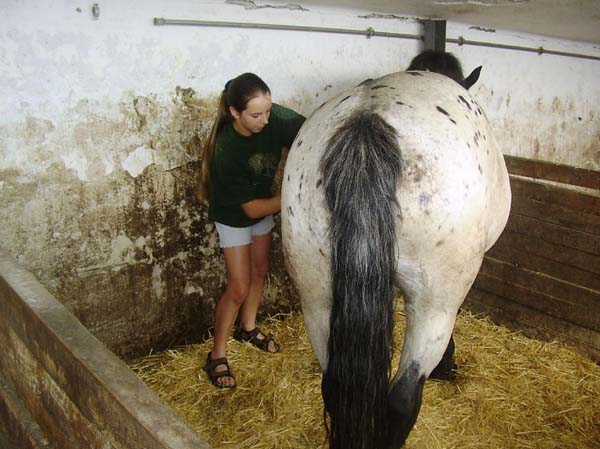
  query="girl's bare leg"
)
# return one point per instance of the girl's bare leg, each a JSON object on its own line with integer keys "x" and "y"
{"x": 259, "y": 254}
{"x": 238, "y": 262}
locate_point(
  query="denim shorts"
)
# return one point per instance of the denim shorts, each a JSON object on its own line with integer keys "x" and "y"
{"x": 230, "y": 236}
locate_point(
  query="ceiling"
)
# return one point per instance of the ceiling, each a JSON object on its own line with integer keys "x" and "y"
{"x": 566, "y": 19}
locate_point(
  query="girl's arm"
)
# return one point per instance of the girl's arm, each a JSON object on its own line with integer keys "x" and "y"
{"x": 262, "y": 207}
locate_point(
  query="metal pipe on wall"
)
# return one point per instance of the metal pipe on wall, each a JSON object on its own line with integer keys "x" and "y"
{"x": 539, "y": 50}
{"x": 369, "y": 32}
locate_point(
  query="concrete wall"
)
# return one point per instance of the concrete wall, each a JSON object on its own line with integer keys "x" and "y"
{"x": 102, "y": 120}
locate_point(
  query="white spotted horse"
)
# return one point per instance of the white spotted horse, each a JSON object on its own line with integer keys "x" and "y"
{"x": 394, "y": 184}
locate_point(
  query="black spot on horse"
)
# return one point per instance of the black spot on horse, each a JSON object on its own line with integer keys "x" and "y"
{"x": 288, "y": 178}
{"x": 322, "y": 253}
{"x": 439, "y": 243}
{"x": 479, "y": 168}
{"x": 319, "y": 182}
{"x": 378, "y": 87}
{"x": 400, "y": 103}
{"x": 442, "y": 110}
{"x": 291, "y": 212}
{"x": 465, "y": 102}
{"x": 342, "y": 100}
{"x": 300, "y": 143}
{"x": 424, "y": 200}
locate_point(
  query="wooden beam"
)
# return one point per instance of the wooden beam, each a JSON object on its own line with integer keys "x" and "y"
{"x": 89, "y": 398}
{"x": 550, "y": 233}
{"x": 434, "y": 35}
{"x": 516, "y": 248}
{"x": 534, "y": 323}
{"x": 553, "y": 172}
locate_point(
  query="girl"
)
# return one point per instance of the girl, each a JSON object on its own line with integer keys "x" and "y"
{"x": 238, "y": 166}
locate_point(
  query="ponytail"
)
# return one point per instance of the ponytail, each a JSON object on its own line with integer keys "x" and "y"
{"x": 204, "y": 185}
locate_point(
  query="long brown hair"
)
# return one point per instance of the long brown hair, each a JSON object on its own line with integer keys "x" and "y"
{"x": 237, "y": 93}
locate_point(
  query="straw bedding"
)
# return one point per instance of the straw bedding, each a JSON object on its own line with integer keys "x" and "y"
{"x": 510, "y": 392}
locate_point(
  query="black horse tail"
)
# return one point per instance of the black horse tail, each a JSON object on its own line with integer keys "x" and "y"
{"x": 360, "y": 170}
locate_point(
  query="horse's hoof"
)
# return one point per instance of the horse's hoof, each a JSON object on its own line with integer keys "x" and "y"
{"x": 444, "y": 373}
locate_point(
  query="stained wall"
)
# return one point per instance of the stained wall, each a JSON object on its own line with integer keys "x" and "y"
{"x": 102, "y": 120}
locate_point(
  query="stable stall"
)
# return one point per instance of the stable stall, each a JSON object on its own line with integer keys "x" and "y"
{"x": 106, "y": 255}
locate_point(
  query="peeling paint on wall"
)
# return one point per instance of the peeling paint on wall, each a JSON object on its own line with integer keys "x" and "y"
{"x": 487, "y": 30}
{"x": 562, "y": 129}
{"x": 387, "y": 16}
{"x": 138, "y": 160}
{"x": 249, "y": 4}
{"x": 112, "y": 227}
{"x": 480, "y": 2}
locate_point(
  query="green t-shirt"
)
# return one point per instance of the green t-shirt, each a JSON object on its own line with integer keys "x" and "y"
{"x": 243, "y": 166}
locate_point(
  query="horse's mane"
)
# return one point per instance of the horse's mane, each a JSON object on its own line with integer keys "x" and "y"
{"x": 445, "y": 64}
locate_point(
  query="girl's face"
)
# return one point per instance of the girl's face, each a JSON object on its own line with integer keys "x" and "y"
{"x": 255, "y": 117}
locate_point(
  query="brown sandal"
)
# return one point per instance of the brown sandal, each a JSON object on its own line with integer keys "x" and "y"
{"x": 252, "y": 338}
{"x": 214, "y": 375}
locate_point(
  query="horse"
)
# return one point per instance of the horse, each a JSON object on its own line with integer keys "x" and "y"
{"x": 394, "y": 185}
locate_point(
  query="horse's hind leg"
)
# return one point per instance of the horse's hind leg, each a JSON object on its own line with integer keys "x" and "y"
{"x": 427, "y": 336}
{"x": 446, "y": 369}
{"x": 316, "y": 308}
{"x": 309, "y": 268}
{"x": 432, "y": 297}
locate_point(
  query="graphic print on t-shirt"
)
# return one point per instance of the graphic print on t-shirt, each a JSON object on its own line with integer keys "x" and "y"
{"x": 263, "y": 164}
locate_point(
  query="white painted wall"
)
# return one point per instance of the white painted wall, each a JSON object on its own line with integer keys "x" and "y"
{"x": 59, "y": 63}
